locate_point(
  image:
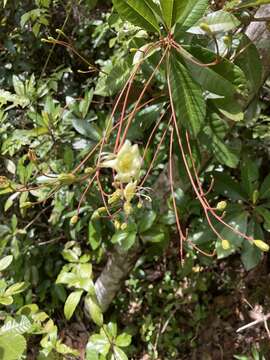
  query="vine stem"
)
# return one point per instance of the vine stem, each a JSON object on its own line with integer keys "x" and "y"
{"x": 178, "y": 224}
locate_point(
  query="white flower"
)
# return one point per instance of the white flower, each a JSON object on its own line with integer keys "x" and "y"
{"x": 127, "y": 163}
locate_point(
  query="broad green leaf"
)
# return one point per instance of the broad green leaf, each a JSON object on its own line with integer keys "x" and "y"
{"x": 167, "y": 8}
{"x": 118, "y": 74}
{"x": 94, "y": 232}
{"x": 188, "y": 12}
{"x": 147, "y": 221}
{"x": 219, "y": 21}
{"x": 87, "y": 129}
{"x": 196, "y": 11}
{"x": 250, "y": 254}
{"x": 110, "y": 330}
{"x": 118, "y": 354}
{"x": 228, "y": 187}
{"x": 187, "y": 96}
{"x": 71, "y": 303}
{"x": 265, "y": 213}
{"x": 138, "y": 13}
{"x": 94, "y": 310}
{"x": 16, "y": 289}
{"x": 265, "y": 188}
{"x": 91, "y": 354}
{"x": 65, "y": 350}
{"x": 85, "y": 103}
{"x": 224, "y": 78}
{"x": 99, "y": 344}
{"x": 229, "y": 108}
{"x": 12, "y": 347}
{"x": 249, "y": 175}
{"x": 211, "y": 80}
{"x": 20, "y": 325}
{"x": 123, "y": 340}
{"x": 249, "y": 61}
{"x": 223, "y": 153}
{"x": 5, "y": 262}
{"x": 6, "y": 300}
{"x": 124, "y": 238}
{"x": 157, "y": 236}
{"x": 216, "y": 132}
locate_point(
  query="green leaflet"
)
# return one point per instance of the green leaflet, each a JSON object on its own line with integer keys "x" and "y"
{"x": 249, "y": 61}
{"x": 138, "y": 13}
{"x": 187, "y": 96}
{"x": 71, "y": 303}
{"x": 250, "y": 254}
{"x": 196, "y": 11}
{"x": 167, "y": 8}
{"x": 184, "y": 12}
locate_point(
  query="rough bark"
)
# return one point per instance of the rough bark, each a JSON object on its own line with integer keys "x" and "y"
{"x": 121, "y": 263}
{"x": 259, "y": 33}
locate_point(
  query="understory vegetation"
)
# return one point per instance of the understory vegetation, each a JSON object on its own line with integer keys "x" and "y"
{"x": 135, "y": 179}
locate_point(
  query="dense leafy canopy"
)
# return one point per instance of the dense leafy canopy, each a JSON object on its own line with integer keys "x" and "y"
{"x": 131, "y": 129}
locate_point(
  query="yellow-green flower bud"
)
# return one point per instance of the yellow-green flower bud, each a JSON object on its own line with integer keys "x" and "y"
{"x": 26, "y": 205}
{"x": 124, "y": 226}
{"x": 67, "y": 179}
{"x": 255, "y": 196}
{"x": 139, "y": 205}
{"x": 115, "y": 196}
{"x": 74, "y": 220}
{"x": 127, "y": 208}
{"x": 261, "y": 245}
{"x": 130, "y": 190}
{"x": 205, "y": 27}
{"x": 89, "y": 170}
{"x": 117, "y": 224}
{"x": 221, "y": 205}
{"x": 225, "y": 244}
{"x": 101, "y": 210}
{"x": 227, "y": 40}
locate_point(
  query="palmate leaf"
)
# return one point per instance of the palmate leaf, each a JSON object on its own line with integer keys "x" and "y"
{"x": 138, "y": 12}
{"x": 187, "y": 96}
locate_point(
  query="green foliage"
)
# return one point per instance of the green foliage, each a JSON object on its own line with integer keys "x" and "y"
{"x": 135, "y": 71}
{"x": 107, "y": 344}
